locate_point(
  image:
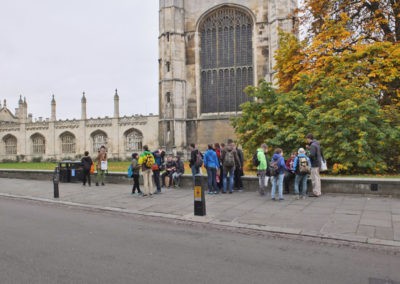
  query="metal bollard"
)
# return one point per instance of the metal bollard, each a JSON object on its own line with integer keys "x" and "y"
{"x": 199, "y": 199}
{"x": 56, "y": 181}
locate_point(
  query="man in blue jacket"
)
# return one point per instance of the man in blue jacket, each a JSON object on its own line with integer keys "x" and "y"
{"x": 211, "y": 163}
{"x": 277, "y": 178}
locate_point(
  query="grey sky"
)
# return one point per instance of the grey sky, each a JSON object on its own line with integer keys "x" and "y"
{"x": 65, "y": 47}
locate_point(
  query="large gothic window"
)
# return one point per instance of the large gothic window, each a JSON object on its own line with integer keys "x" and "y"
{"x": 134, "y": 141}
{"x": 99, "y": 139}
{"x": 68, "y": 143}
{"x": 10, "y": 144}
{"x": 226, "y": 58}
{"x": 38, "y": 144}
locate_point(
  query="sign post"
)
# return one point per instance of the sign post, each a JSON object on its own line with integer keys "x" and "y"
{"x": 199, "y": 199}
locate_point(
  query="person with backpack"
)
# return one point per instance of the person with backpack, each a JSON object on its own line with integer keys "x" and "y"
{"x": 289, "y": 175}
{"x": 315, "y": 158}
{"x": 180, "y": 170}
{"x": 157, "y": 168}
{"x": 87, "y": 164}
{"x": 230, "y": 161}
{"x": 146, "y": 161}
{"x": 135, "y": 173}
{"x": 277, "y": 171}
{"x": 302, "y": 167}
{"x": 260, "y": 161}
{"x": 239, "y": 170}
{"x": 211, "y": 163}
{"x": 196, "y": 160}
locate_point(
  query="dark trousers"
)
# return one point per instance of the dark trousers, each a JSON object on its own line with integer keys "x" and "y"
{"x": 136, "y": 184}
{"x": 156, "y": 176}
{"x": 238, "y": 179}
{"x": 86, "y": 176}
{"x": 288, "y": 181}
{"x": 169, "y": 174}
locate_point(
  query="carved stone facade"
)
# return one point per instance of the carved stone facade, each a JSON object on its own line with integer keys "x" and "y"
{"x": 21, "y": 138}
{"x": 209, "y": 51}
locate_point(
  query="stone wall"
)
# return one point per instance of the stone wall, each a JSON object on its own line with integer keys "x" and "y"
{"x": 375, "y": 186}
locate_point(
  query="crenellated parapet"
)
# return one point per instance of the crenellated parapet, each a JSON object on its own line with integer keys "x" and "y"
{"x": 133, "y": 120}
{"x": 67, "y": 124}
{"x": 99, "y": 122}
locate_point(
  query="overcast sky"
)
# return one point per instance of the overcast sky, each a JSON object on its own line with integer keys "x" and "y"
{"x": 66, "y": 47}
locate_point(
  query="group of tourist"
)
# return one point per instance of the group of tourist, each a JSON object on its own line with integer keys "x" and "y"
{"x": 298, "y": 167}
{"x": 224, "y": 166}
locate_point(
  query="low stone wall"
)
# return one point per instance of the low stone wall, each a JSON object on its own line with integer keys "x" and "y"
{"x": 376, "y": 186}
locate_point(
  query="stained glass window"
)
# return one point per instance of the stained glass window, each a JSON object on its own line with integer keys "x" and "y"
{"x": 226, "y": 57}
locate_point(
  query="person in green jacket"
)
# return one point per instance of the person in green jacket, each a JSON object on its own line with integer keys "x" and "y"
{"x": 262, "y": 168}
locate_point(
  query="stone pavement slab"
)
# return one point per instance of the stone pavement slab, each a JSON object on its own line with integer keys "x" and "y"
{"x": 367, "y": 219}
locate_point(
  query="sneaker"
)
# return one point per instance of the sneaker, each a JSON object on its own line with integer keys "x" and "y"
{"x": 216, "y": 192}
{"x": 144, "y": 195}
{"x": 297, "y": 197}
{"x": 303, "y": 197}
{"x": 230, "y": 192}
{"x": 241, "y": 190}
{"x": 102, "y": 183}
{"x": 97, "y": 184}
{"x": 281, "y": 199}
{"x": 273, "y": 199}
{"x": 210, "y": 192}
{"x": 224, "y": 192}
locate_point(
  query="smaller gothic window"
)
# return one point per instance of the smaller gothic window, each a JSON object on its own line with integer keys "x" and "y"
{"x": 168, "y": 97}
{"x": 168, "y": 64}
{"x": 68, "y": 144}
{"x": 99, "y": 139}
{"x": 38, "y": 144}
{"x": 134, "y": 141}
{"x": 10, "y": 143}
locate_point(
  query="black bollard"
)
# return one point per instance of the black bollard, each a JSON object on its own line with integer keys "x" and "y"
{"x": 56, "y": 181}
{"x": 199, "y": 199}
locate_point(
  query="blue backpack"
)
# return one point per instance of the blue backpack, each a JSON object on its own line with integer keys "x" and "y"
{"x": 130, "y": 171}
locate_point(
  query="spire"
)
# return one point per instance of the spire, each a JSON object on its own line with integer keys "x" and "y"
{"x": 25, "y": 103}
{"x": 83, "y": 100}
{"x": 5, "y": 103}
{"x": 20, "y": 102}
{"x": 53, "y": 109}
{"x": 83, "y": 107}
{"x": 116, "y": 104}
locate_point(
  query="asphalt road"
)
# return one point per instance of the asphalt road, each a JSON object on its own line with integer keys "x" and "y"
{"x": 42, "y": 243}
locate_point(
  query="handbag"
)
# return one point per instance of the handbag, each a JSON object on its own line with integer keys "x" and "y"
{"x": 324, "y": 166}
{"x": 103, "y": 165}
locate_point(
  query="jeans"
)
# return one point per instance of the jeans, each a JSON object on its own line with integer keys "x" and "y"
{"x": 277, "y": 180}
{"x": 212, "y": 179}
{"x": 300, "y": 179}
{"x": 229, "y": 172}
{"x": 156, "y": 176}
{"x": 176, "y": 177}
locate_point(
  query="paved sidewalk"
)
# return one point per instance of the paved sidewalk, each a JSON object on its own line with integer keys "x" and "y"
{"x": 364, "y": 219}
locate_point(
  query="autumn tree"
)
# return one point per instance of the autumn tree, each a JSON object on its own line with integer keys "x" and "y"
{"x": 341, "y": 83}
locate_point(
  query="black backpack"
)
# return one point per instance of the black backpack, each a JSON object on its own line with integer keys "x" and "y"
{"x": 256, "y": 161}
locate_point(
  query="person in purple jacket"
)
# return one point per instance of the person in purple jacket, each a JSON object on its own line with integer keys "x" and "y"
{"x": 211, "y": 163}
{"x": 277, "y": 178}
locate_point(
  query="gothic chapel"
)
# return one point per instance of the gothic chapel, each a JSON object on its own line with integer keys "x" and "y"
{"x": 209, "y": 51}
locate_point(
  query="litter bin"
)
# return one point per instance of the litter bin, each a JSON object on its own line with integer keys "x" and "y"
{"x": 70, "y": 171}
